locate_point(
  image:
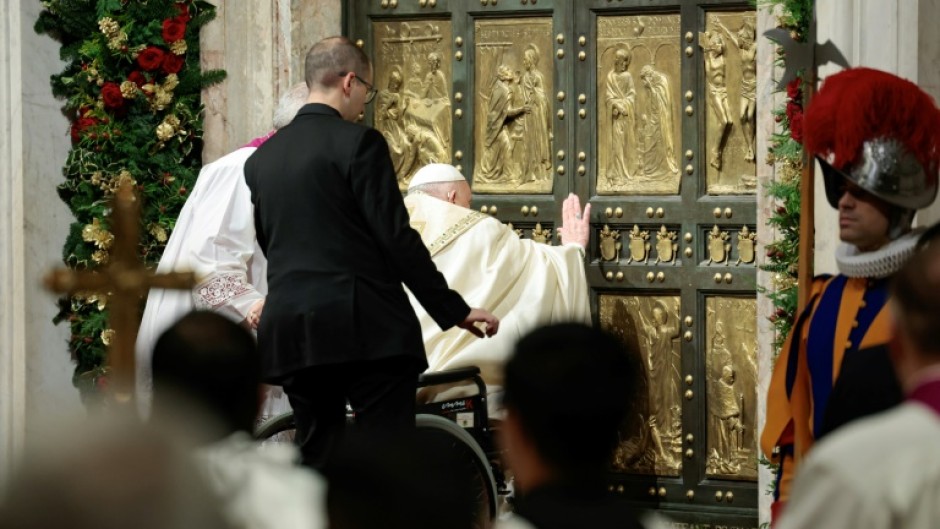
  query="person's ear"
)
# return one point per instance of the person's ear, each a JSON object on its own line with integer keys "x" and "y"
{"x": 452, "y": 196}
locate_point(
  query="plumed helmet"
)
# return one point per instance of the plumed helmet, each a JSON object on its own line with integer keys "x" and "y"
{"x": 878, "y": 131}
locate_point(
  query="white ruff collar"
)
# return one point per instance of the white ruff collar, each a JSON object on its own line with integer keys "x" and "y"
{"x": 882, "y": 262}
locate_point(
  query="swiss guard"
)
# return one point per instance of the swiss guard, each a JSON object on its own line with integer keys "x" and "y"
{"x": 877, "y": 138}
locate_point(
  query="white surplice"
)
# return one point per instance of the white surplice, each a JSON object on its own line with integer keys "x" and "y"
{"x": 524, "y": 283}
{"x": 214, "y": 237}
{"x": 263, "y": 486}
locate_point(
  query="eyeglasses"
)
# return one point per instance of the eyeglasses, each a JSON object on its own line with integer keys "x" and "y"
{"x": 370, "y": 90}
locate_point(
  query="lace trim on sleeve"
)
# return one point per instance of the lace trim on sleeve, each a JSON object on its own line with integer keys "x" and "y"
{"x": 219, "y": 289}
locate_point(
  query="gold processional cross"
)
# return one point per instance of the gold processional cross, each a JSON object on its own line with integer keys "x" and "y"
{"x": 125, "y": 280}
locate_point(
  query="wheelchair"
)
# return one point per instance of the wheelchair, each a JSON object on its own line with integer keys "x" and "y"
{"x": 464, "y": 422}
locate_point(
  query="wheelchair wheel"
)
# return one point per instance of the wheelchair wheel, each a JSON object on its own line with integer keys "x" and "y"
{"x": 279, "y": 428}
{"x": 471, "y": 456}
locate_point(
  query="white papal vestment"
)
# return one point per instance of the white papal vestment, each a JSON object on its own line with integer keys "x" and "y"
{"x": 524, "y": 283}
{"x": 214, "y": 237}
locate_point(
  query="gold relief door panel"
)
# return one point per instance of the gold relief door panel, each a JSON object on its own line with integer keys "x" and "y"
{"x": 649, "y": 326}
{"x": 638, "y": 105}
{"x": 731, "y": 387}
{"x": 513, "y": 122}
{"x": 414, "y": 75}
{"x": 729, "y": 51}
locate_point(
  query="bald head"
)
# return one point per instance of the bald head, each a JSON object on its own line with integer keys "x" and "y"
{"x": 331, "y": 57}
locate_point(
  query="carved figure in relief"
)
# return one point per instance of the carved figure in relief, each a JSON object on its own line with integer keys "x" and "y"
{"x": 714, "y": 47}
{"x": 435, "y": 85}
{"x": 746, "y": 243}
{"x": 414, "y": 83}
{"x": 621, "y": 108}
{"x": 537, "y": 163}
{"x": 389, "y": 117}
{"x": 496, "y": 164}
{"x": 666, "y": 246}
{"x": 747, "y": 48}
{"x": 662, "y": 331}
{"x": 718, "y": 247}
{"x": 610, "y": 244}
{"x": 725, "y": 414}
{"x": 657, "y": 150}
{"x": 541, "y": 235}
{"x": 421, "y": 147}
{"x": 639, "y": 245}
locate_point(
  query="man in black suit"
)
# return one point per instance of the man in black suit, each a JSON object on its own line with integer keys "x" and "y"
{"x": 331, "y": 221}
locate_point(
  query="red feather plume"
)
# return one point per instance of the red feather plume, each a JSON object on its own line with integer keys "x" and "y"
{"x": 861, "y": 104}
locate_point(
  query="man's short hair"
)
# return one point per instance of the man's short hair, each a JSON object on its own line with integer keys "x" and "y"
{"x": 915, "y": 293}
{"x": 331, "y": 57}
{"x": 213, "y": 363}
{"x": 572, "y": 386}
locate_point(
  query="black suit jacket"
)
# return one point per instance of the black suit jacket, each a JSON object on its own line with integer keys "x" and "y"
{"x": 332, "y": 223}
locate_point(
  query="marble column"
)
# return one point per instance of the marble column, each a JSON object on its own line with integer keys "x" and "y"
{"x": 767, "y": 99}
{"x": 35, "y": 368}
{"x": 263, "y": 52}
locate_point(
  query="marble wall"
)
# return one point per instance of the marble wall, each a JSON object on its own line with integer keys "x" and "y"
{"x": 263, "y": 52}
{"x": 898, "y": 37}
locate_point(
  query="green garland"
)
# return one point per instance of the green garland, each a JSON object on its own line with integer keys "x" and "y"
{"x": 786, "y": 151}
{"x": 132, "y": 88}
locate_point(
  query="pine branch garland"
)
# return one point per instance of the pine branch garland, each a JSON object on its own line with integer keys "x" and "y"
{"x": 131, "y": 89}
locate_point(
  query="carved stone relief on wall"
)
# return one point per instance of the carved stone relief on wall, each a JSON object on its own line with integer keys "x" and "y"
{"x": 638, "y": 105}
{"x": 650, "y": 325}
{"x": 731, "y": 372}
{"x": 412, "y": 109}
{"x": 513, "y": 73}
{"x": 729, "y": 50}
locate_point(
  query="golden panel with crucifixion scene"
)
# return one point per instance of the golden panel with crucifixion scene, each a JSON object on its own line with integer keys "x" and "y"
{"x": 731, "y": 374}
{"x": 638, "y": 109}
{"x": 412, "y": 109}
{"x": 649, "y": 325}
{"x": 513, "y": 117}
{"x": 729, "y": 50}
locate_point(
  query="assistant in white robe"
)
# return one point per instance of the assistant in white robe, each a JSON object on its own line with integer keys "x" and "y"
{"x": 214, "y": 238}
{"x": 524, "y": 283}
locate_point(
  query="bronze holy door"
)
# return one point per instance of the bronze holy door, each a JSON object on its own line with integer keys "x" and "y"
{"x": 645, "y": 109}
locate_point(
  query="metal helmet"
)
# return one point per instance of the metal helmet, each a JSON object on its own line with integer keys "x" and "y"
{"x": 878, "y": 131}
{"x": 887, "y": 170}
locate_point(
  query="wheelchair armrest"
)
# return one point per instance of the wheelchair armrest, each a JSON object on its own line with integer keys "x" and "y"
{"x": 448, "y": 376}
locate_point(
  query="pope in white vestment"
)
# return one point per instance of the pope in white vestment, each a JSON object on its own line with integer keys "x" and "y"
{"x": 524, "y": 283}
{"x": 214, "y": 238}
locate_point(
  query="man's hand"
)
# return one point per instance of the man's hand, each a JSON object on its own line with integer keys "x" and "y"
{"x": 254, "y": 314}
{"x": 491, "y": 323}
{"x": 575, "y": 225}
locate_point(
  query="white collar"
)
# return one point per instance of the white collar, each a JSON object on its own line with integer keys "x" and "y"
{"x": 882, "y": 262}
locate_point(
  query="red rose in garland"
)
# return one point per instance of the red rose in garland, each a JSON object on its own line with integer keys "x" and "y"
{"x": 796, "y": 127}
{"x": 151, "y": 58}
{"x": 183, "y": 12}
{"x": 79, "y": 126}
{"x": 137, "y": 78}
{"x": 174, "y": 29}
{"x": 172, "y": 63}
{"x": 111, "y": 94}
{"x": 794, "y": 88}
{"x": 793, "y": 109}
